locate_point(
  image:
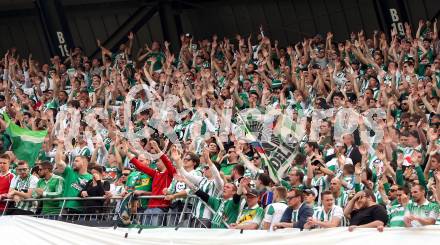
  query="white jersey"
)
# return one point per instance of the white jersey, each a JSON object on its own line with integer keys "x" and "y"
{"x": 274, "y": 213}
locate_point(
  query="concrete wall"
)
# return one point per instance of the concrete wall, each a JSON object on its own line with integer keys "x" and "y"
{"x": 288, "y": 21}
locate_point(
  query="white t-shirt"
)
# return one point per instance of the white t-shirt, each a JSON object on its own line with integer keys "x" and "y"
{"x": 274, "y": 213}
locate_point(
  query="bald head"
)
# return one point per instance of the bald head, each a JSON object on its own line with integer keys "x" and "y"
{"x": 335, "y": 185}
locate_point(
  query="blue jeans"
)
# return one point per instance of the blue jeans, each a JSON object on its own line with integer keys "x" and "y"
{"x": 153, "y": 217}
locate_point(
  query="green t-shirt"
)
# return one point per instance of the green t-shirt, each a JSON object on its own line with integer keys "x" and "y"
{"x": 73, "y": 185}
{"x": 52, "y": 188}
{"x": 139, "y": 181}
{"x": 226, "y": 168}
{"x": 226, "y": 210}
{"x": 289, "y": 186}
{"x": 251, "y": 215}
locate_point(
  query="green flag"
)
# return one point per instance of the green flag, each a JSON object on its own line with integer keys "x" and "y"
{"x": 26, "y": 143}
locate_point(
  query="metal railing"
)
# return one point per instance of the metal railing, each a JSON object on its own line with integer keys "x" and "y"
{"x": 168, "y": 217}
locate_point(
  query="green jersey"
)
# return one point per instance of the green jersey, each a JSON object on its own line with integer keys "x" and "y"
{"x": 52, "y": 188}
{"x": 289, "y": 186}
{"x": 251, "y": 215}
{"x": 426, "y": 210}
{"x": 226, "y": 210}
{"x": 226, "y": 168}
{"x": 74, "y": 183}
{"x": 139, "y": 181}
{"x": 395, "y": 216}
{"x": 333, "y": 165}
{"x": 208, "y": 186}
{"x": 320, "y": 184}
{"x": 342, "y": 199}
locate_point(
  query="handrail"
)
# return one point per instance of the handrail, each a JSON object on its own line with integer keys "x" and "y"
{"x": 79, "y": 198}
{"x": 64, "y": 199}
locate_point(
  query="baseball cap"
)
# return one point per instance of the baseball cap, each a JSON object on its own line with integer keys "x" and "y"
{"x": 252, "y": 192}
{"x": 311, "y": 191}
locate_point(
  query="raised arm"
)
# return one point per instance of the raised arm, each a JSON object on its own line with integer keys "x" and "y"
{"x": 350, "y": 205}
{"x": 141, "y": 167}
{"x": 166, "y": 161}
{"x": 175, "y": 156}
{"x": 60, "y": 165}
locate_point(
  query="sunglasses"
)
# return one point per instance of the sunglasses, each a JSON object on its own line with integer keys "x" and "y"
{"x": 125, "y": 174}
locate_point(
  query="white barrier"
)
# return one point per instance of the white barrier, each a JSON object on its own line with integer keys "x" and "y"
{"x": 29, "y": 230}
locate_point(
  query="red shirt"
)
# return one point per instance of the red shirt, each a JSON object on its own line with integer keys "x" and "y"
{"x": 161, "y": 180}
{"x": 5, "y": 182}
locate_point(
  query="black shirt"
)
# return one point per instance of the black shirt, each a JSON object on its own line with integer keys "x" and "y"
{"x": 368, "y": 215}
{"x": 95, "y": 206}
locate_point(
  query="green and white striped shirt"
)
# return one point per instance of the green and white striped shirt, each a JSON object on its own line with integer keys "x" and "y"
{"x": 395, "y": 215}
{"x": 25, "y": 185}
{"x": 335, "y": 212}
{"x": 342, "y": 199}
{"x": 426, "y": 210}
{"x": 199, "y": 209}
{"x": 320, "y": 183}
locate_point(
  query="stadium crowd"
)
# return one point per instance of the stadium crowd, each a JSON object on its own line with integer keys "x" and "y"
{"x": 362, "y": 139}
